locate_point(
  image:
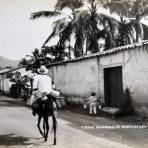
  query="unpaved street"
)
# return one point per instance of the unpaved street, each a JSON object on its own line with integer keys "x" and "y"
{"x": 18, "y": 129}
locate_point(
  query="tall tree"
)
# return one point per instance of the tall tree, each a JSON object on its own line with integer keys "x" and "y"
{"x": 72, "y": 25}
{"x": 133, "y": 10}
{"x": 139, "y": 10}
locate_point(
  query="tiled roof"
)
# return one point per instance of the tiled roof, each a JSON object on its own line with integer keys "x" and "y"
{"x": 5, "y": 68}
{"x": 10, "y": 70}
{"x": 2, "y": 70}
{"x": 107, "y": 52}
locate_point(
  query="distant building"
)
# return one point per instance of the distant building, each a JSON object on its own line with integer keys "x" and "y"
{"x": 5, "y": 69}
{"x": 4, "y": 81}
{"x": 2, "y": 71}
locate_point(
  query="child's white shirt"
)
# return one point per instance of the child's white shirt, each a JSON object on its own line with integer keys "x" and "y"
{"x": 92, "y": 99}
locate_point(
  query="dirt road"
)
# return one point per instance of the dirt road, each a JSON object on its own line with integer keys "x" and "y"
{"x": 18, "y": 129}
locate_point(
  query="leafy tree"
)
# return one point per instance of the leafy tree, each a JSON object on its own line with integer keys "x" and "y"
{"x": 72, "y": 25}
{"x": 134, "y": 11}
{"x": 126, "y": 33}
{"x": 22, "y": 62}
{"x": 139, "y": 9}
{"x": 10, "y": 75}
{"x": 31, "y": 62}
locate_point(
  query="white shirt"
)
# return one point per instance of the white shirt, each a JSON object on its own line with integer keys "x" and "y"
{"x": 92, "y": 99}
{"x": 43, "y": 83}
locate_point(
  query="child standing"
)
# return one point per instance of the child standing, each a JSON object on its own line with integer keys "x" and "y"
{"x": 92, "y": 103}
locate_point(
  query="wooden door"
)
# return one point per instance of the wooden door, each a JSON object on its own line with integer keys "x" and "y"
{"x": 113, "y": 87}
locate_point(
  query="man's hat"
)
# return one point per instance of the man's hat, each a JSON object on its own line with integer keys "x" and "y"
{"x": 42, "y": 70}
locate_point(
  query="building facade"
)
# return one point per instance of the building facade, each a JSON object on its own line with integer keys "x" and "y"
{"x": 109, "y": 73}
{"x": 4, "y": 81}
{"x": 2, "y": 78}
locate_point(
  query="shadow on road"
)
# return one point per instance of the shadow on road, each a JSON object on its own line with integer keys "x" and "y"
{"x": 13, "y": 140}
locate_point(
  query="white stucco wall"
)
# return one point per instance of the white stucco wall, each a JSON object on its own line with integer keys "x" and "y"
{"x": 135, "y": 74}
{"x": 78, "y": 78}
{"x": 4, "y": 70}
{"x": 134, "y": 64}
{"x": 6, "y": 85}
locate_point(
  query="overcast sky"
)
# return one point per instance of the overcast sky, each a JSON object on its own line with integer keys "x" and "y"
{"x": 18, "y": 34}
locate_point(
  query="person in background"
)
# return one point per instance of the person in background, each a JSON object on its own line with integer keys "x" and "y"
{"x": 18, "y": 84}
{"x": 13, "y": 87}
{"x": 31, "y": 98}
{"x": 26, "y": 87}
{"x": 10, "y": 84}
{"x": 92, "y": 103}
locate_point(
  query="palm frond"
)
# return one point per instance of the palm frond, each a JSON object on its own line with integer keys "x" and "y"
{"x": 145, "y": 3}
{"x": 126, "y": 33}
{"x": 144, "y": 13}
{"x": 72, "y": 4}
{"x": 111, "y": 24}
{"x": 60, "y": 20}
{"x": 66, "y": 33}
{"x": 82, "y": 16}
{"x": 50, "y": 36}
{"x": 139, "y": 30}
{"x": 50, "y": 50}
{"x": 82, "y": 29}
{"x": 136, "y": 8}
{"x": 59, "y": 25}
{"x": 39, "y": 14}
{"x": 118, "y": 7}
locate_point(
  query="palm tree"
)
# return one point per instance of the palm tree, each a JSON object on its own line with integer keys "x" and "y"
{"x": 32, "y": 62}
{"x": 10, "y": 75}
{"x": 134, "y": 11}
{"x": 72, "y": 4}
{"x": 139, "y": 10}
{"x": 126, "y": 33}
{"x": 89, "y": 32}
{"x": 56, "y": 53}
{"x": 110, "y": 32}
{"x": 72, "y": 25}
{"x": 22, "y": 62}
{"x": 59, "y": 25}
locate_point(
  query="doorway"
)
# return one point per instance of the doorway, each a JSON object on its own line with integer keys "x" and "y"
{"x": 113, "y": 87}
